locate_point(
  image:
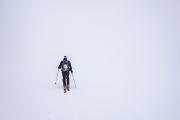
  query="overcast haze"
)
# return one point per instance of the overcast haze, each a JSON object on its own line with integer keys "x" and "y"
{"x": 125, "y": 55}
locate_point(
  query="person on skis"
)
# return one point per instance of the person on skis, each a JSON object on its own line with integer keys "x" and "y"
{"x": 65, "y": 66}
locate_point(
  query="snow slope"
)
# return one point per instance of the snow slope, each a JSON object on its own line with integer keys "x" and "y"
{"x": 125, "y": 56}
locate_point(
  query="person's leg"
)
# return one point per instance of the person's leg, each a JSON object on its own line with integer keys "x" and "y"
{"x": 67, "y": 75}
{"x": 64, "y": 80}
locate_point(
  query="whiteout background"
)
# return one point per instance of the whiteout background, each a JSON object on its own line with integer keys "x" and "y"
{"x": 125, "y": 55}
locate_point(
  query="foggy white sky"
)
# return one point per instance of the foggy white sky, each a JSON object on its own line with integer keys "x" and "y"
{"x": 125, "y": 56}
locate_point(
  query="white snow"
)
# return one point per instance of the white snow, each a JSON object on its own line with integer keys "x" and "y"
{"x": 125, "y": 56}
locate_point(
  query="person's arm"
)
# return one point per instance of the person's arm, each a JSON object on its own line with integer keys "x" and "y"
{"x": 60, "y": 65}
{"x": 70, "y": 67}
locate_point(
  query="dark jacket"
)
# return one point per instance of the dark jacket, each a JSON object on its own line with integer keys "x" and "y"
{"x": 69, "y": 63}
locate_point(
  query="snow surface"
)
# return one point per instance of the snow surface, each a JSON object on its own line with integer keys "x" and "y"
{"x": 125, "y": 55}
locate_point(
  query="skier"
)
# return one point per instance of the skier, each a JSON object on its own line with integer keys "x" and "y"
{"x": 65, "y": 66}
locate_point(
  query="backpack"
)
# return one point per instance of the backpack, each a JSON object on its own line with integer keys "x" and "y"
{"x": 65, "y": 66}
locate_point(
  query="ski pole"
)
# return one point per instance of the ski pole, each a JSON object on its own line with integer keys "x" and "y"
{"x": 56, "y": 76}
{"x": 74, "y": 80}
